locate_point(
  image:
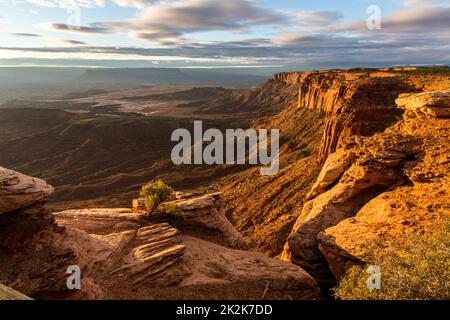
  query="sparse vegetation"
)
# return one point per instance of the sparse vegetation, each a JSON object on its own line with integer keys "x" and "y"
{"x": 154, "y": 193}
{"x": 417, "y": 268}
{"x": 172, "y": 209}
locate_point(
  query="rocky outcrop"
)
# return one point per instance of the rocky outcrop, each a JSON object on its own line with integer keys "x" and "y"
{"x": 361, "y": 103}
{"x": 10, "y": 294}
{"x": 329, "y": 108}
{"x": 376, "y": 189}
{"x": 155, "y": 260}
{"x": 19, "y": 191}
{"x": 125, "y": 255}
{"x": 433, "y": 104}
{"x": 204, "y": 217}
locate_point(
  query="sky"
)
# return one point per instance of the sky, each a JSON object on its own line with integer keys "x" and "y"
{"x": 283, "y": 34}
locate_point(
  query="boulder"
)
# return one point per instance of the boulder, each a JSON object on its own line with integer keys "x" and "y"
{"x": 352, "y": 177}
{"x": 19, "y": 191}
{"x": 434, "y": 104}
{"x": 123, "y": 254}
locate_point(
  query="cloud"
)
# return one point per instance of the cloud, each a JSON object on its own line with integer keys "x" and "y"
{"x": 317, "y": 18}
{"x": 184, "y": 17}
{"x": 317, "y": 38}
{"x": 91, "y": 29}
{"x": 29, "y": 35}
{"x": 169, "y": 23}
{"x": 425, "y": 3}
{"x": 65, "y": 4}
{"x": 95, "y": 3}
{"x": 74, "y": 42}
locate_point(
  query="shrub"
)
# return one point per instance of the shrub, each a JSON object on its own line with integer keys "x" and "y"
{"x": 172, "y": 209}
{"x": 417, "y": 268}
{"x": 154, "y": 193}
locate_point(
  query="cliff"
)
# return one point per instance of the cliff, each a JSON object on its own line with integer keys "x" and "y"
{"x": 352, "y": 102}
{"x": 329, "y": 107}
{"x": 376, "y": 189}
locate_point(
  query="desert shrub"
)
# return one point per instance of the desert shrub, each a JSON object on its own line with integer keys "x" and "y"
{"x": 154, "y": 193}
{"x": 416, "y": 268}
{"x": 172, "y": 209}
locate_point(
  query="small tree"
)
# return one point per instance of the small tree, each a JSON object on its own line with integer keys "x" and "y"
{"x": 154, "y": 193}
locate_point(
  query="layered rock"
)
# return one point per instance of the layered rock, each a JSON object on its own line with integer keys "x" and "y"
{"x": 19, "y": 191}
{"x": 125, "y": 255}
{"x": 433, "y": 104}
{"x": 155, "y": 260}
{"x": 204, "y": 217}
{"x": 330, "y": 107}
{"x": 376, "y": 189}
{"x": 10, "y": 294}
{"x": 359, "y": 103}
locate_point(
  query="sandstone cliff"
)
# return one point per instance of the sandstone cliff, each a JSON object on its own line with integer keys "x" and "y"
{"x": 376, "y": 189}
{"x": 329, "y": 108}
{"x": 125, "y": 255}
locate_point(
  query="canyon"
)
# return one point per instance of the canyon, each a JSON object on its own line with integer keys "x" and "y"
{"x": 364, "y": 157}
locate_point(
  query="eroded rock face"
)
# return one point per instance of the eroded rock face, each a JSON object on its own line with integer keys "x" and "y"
{"x": 204, "y": 217}
{"x": 433, "y": 104}
{"x": 18, "y": 190}
{"x": 375, "y": 189}
{"x": 354, "y": 103}
{"x": 125, "y": 255}
{"x": 157, "y": 261}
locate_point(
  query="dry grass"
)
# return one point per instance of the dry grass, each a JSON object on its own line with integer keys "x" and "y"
{"x": 416, "y": 269}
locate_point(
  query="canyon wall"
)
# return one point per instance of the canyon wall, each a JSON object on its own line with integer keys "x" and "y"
{"x": 351, "y": 102}
{"x": 329, "y": 108}
{"x": 376, "y": 189}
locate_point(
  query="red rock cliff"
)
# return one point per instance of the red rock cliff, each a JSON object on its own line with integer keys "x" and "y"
{"x": 352, "y": 102}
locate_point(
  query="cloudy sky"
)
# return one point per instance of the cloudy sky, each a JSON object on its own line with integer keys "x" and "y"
{"x": 281, "y": 34}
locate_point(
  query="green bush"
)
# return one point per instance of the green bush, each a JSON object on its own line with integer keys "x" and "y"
{"x": 416, "y": 268}
{"x": 154, "y": 193}
{"x": 172, "y": 209}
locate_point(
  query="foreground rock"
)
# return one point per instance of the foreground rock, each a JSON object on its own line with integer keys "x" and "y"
{"x": 19, "y": 191}
{"x": 124, "y": 255}
{"x": 203, "y": 216}
{"x": 376, "y": 189}
{"x": 158, "y": 261}
{"x": 10, "y": 294}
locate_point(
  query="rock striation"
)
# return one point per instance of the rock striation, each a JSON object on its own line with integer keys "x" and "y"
{"x": 125, "y": 255}
{"x": 376, "y": 189}
{"x": 19, "y": 191}
{"x": 359, "y": 103}
{"x": 203, "y": 216}
{"x": 329, "y": 107}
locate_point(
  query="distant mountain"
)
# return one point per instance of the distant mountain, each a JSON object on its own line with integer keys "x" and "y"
{"x": 136, "y": 75}
{"x": 201, "y": 93}
{"x": 43, "y": 82}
